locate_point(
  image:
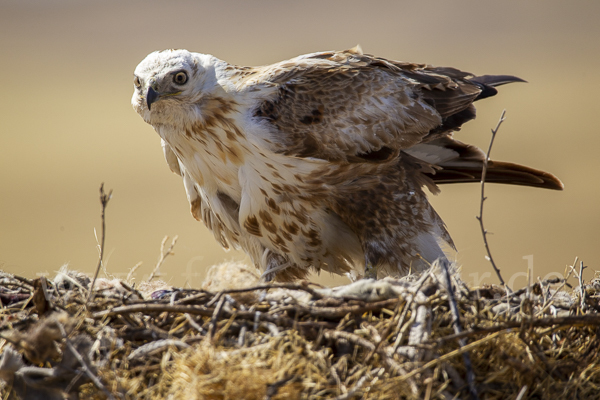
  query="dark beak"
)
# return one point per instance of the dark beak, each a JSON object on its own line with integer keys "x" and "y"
{"x": 151, "y": 97}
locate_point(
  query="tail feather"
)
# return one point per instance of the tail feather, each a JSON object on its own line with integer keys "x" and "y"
{"x": 458, "y": 162}
{"x": 497, "y": 172}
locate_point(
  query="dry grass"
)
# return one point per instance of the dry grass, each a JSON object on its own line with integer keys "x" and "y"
{"x": 382, "y": 339}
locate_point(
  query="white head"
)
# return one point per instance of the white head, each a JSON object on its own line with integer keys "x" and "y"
{"x": 170, "y": 84}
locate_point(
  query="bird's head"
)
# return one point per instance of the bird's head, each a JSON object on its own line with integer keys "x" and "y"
{"x": 169, "y": 84}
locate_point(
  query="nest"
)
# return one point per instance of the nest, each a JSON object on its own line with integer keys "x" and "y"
{"x": 428, "y": 336}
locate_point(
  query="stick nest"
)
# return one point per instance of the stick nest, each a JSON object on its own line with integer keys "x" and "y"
{"x": 386, "y": 339}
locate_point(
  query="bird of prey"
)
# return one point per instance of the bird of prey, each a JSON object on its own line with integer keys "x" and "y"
{"x": 320, "y": 162}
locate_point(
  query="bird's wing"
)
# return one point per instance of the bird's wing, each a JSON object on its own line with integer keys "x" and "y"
{"x": 199, "y": 207}
{"x": 171, "y": 158}
{"x": 354, "y": 107}
{"x": 348, "y": 106}
{"x": 201, "y": 210}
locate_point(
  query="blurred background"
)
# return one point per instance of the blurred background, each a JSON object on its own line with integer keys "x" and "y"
{"x": 66, "y": 123}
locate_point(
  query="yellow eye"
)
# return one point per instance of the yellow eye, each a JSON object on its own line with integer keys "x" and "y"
{"x": 137, "y": 82}
{"x": 180, "y": 78}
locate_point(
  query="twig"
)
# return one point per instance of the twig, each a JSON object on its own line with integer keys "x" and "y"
{"x": 353, "y": 391}
{"x": 391, "y": 365}
{"x": 407, "y": 308}
{"x": 17, "y": 277}
{"x": 194, "y": 324}
{"x": 156, "y": 347}
{"x": 351, "y": 337}
{"x": 385, "y": 333}
{"x": 290, "y": 286}
{"x": 483, "y": 198}
{"x": 129, "y": 278}
{"x": 509, "y": 326}
{"x": 535, "y": 349}
{"x": 448, "y": 356}
{"x": 84, "y": 365}
{"x": 522, "y": 393}
{"x": 212, "y": 327}
{"x": 581, "y": 288}
{"x": 163, "y": 255}
{"x": 340, "y": 311}
{"x": 146, "y": 308}
{"x": 563, "y": 283}
{"x": 274, "y": 387}
{"x": 462, "y": 342}
{"x": 242, "y": 336}
{"x": 104, "y": 199}
{"x": 151, "y": 308}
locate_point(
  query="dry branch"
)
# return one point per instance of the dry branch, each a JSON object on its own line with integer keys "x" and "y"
{"x": 104, "y": 199}
{"x": 484, "y": 232}
{"x": 296, "y": 342}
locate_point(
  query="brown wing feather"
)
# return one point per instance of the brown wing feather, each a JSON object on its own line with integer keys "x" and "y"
{"x": 346, "y": 105}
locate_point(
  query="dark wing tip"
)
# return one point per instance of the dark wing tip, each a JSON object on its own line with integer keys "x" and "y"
{"x": 488, "y": 83}
{"x": 496, "y": 80}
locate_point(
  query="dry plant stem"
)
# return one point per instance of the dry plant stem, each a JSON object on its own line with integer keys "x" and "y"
{"x": 400, "y": 321}
{"x": 20, "y": 279}
{"x": 448, "y": 356}
{"x": 352, "y": 392}
{"x": 104, "y": 199}
{"x": 323, "y": 312}
{"x": 273, "y": 388}
{"x": 45, "y": 291}
{"x": 385, "y": 334}
{"x": 563, "y": 283}
{"x": 458, "y": 328}
{"x": 510, "y": 326}
{"x": 212, "y": 327}
{"x": 483, "y": 198}
{"x": 320, "y": 351}
{"x": 350, "y": 337}
{"x": 407, "y": 308}
{"x": 522, "y": 393}
{"x": 84, "y": 365}
{"x": 535, "y": 350}
{"x": 581, "y": 289}
{"x": 129, "y": 278}
{"x": 163, "y": 255}
{"x": 291, "y": 286}
{"x": 194, "y": 324}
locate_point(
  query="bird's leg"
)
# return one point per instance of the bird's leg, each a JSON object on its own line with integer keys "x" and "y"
{"x": 274, "y": 263}
{"x": 268, "y": 277}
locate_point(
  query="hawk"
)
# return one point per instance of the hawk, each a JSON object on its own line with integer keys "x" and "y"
{"x": 320, "y": 162}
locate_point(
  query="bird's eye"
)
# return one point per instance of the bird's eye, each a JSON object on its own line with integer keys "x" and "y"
{"x": 180, "y": 78}
{"x": 137, "y": 82}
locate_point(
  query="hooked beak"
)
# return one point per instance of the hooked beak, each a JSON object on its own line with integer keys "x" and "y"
{"x": 151, "y": 97}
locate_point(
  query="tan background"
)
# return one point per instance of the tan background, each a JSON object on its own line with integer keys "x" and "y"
{"x": 66, "y": 123}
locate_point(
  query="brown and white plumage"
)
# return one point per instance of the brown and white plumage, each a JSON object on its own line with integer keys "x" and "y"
{"x": 319, "y": 162}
